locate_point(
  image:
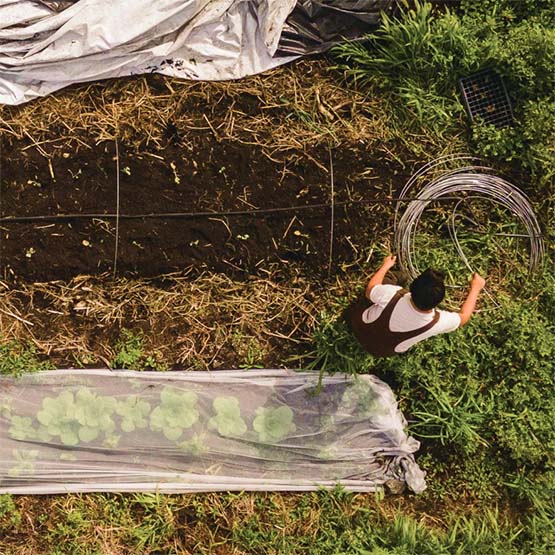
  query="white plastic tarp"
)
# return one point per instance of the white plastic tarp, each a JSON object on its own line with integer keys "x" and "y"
{"x": 48, "y": 45}
{"x": 100, "y": 430}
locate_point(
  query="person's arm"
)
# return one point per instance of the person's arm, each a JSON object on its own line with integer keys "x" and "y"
{"x": 476, "y": 285}
{"x": 377, "y": 278}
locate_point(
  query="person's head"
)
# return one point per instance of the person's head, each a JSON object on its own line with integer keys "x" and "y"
{"x": 427, "y": 290}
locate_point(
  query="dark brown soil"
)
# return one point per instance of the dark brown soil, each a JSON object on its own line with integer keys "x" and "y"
{"x": 213, "y": 176}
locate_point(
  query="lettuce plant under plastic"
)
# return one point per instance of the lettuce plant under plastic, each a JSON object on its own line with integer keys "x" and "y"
{"x": 101, "y": 430}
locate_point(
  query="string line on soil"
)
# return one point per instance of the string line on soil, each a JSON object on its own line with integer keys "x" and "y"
{"x": 117, "y": 211}
{"x": 1, "y": 211}
{"x": 332, "y": 216}
{"x": 211, "y": 214}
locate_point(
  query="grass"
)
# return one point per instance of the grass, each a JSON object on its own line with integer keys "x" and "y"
{"x": 452, "y": 421}
{"x": 245, "y": 523}
{"x": 413, "y": 61}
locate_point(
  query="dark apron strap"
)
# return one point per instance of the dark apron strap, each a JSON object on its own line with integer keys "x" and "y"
{"x": 377, "y": 337}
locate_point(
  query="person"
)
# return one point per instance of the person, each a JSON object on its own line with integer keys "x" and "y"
{"x": 389, "y": 320}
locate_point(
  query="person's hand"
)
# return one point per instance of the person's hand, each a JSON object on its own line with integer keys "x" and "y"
{"x": 389, "y": 262}
{"x": 477, "y": 282}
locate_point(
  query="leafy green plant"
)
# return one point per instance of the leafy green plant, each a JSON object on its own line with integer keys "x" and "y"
{"x": 273, "y": 424}
{"x": 414, "y": 62}
{"x": 17, "y": 358}
{"x": 480, "y": 389}
{"x": 196, "y": 445}
{"x": 523, "y": 52}
{"x": 360, "y": 397}
{"x": 486, "y": 382}
{"x": 134, "y": 413}
{"x": 454, "y": 476}
{"x": 82, "y": 416}
{"x": 10, "y": 515}
{"x": 248, "y": 348}
{"x": 21, "y": 427}
{"x": 130, "y": 353}
{"x": 24, "y": 460}
{"x": 507, "y": 11}
{"x": 494, "y": 142}
{"x": 228, "y": 419}
{"x": 538, "y": 132}
{"x": 177, "y": 412}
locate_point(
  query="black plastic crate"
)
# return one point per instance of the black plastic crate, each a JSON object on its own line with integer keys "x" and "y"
{"x": 485, "y": 96}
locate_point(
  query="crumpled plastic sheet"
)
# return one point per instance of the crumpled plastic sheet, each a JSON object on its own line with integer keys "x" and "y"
{"x": 100, "y": 430}
{"x": 315, "y": 25}
{"x": 46, "y": 45}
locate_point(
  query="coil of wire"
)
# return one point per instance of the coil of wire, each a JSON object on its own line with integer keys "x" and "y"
{"x": 471, "y": 180}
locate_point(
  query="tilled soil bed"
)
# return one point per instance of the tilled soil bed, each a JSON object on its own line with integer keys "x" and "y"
{"x": 214, "y": 176}
{"x": 208, "y": 148}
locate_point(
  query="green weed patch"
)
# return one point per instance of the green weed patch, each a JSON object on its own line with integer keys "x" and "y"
{"x": 17, "y": 358}
{"x": 416, "y": 60}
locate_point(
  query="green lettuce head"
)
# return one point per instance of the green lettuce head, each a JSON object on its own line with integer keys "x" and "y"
{"x": 228, "y": 419}
{"x": 94, "y": 414}
{"x": 361, "y": 397}
{"x": 273, "y": 424}
{"x": 134, "y": 413}
{"x": 176, "y": 412}
{"x": 25, "y": 462}
{"x": 21, "y": 428}
{"x": 79, "y": 417}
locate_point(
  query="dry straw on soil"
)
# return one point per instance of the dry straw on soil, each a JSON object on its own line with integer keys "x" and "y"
{"x": 208, "y": 322}
{"x": 293, "y": 107}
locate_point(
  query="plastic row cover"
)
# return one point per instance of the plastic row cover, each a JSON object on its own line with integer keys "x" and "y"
{"x": 46, "y": 45}
{"x": 100, "y": 430}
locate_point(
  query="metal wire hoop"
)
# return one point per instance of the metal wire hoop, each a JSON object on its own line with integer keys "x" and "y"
{"x": 473, "y": 180}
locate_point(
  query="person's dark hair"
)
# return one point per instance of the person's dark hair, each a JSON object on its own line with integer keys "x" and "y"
{"x": 427, "y": 290}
